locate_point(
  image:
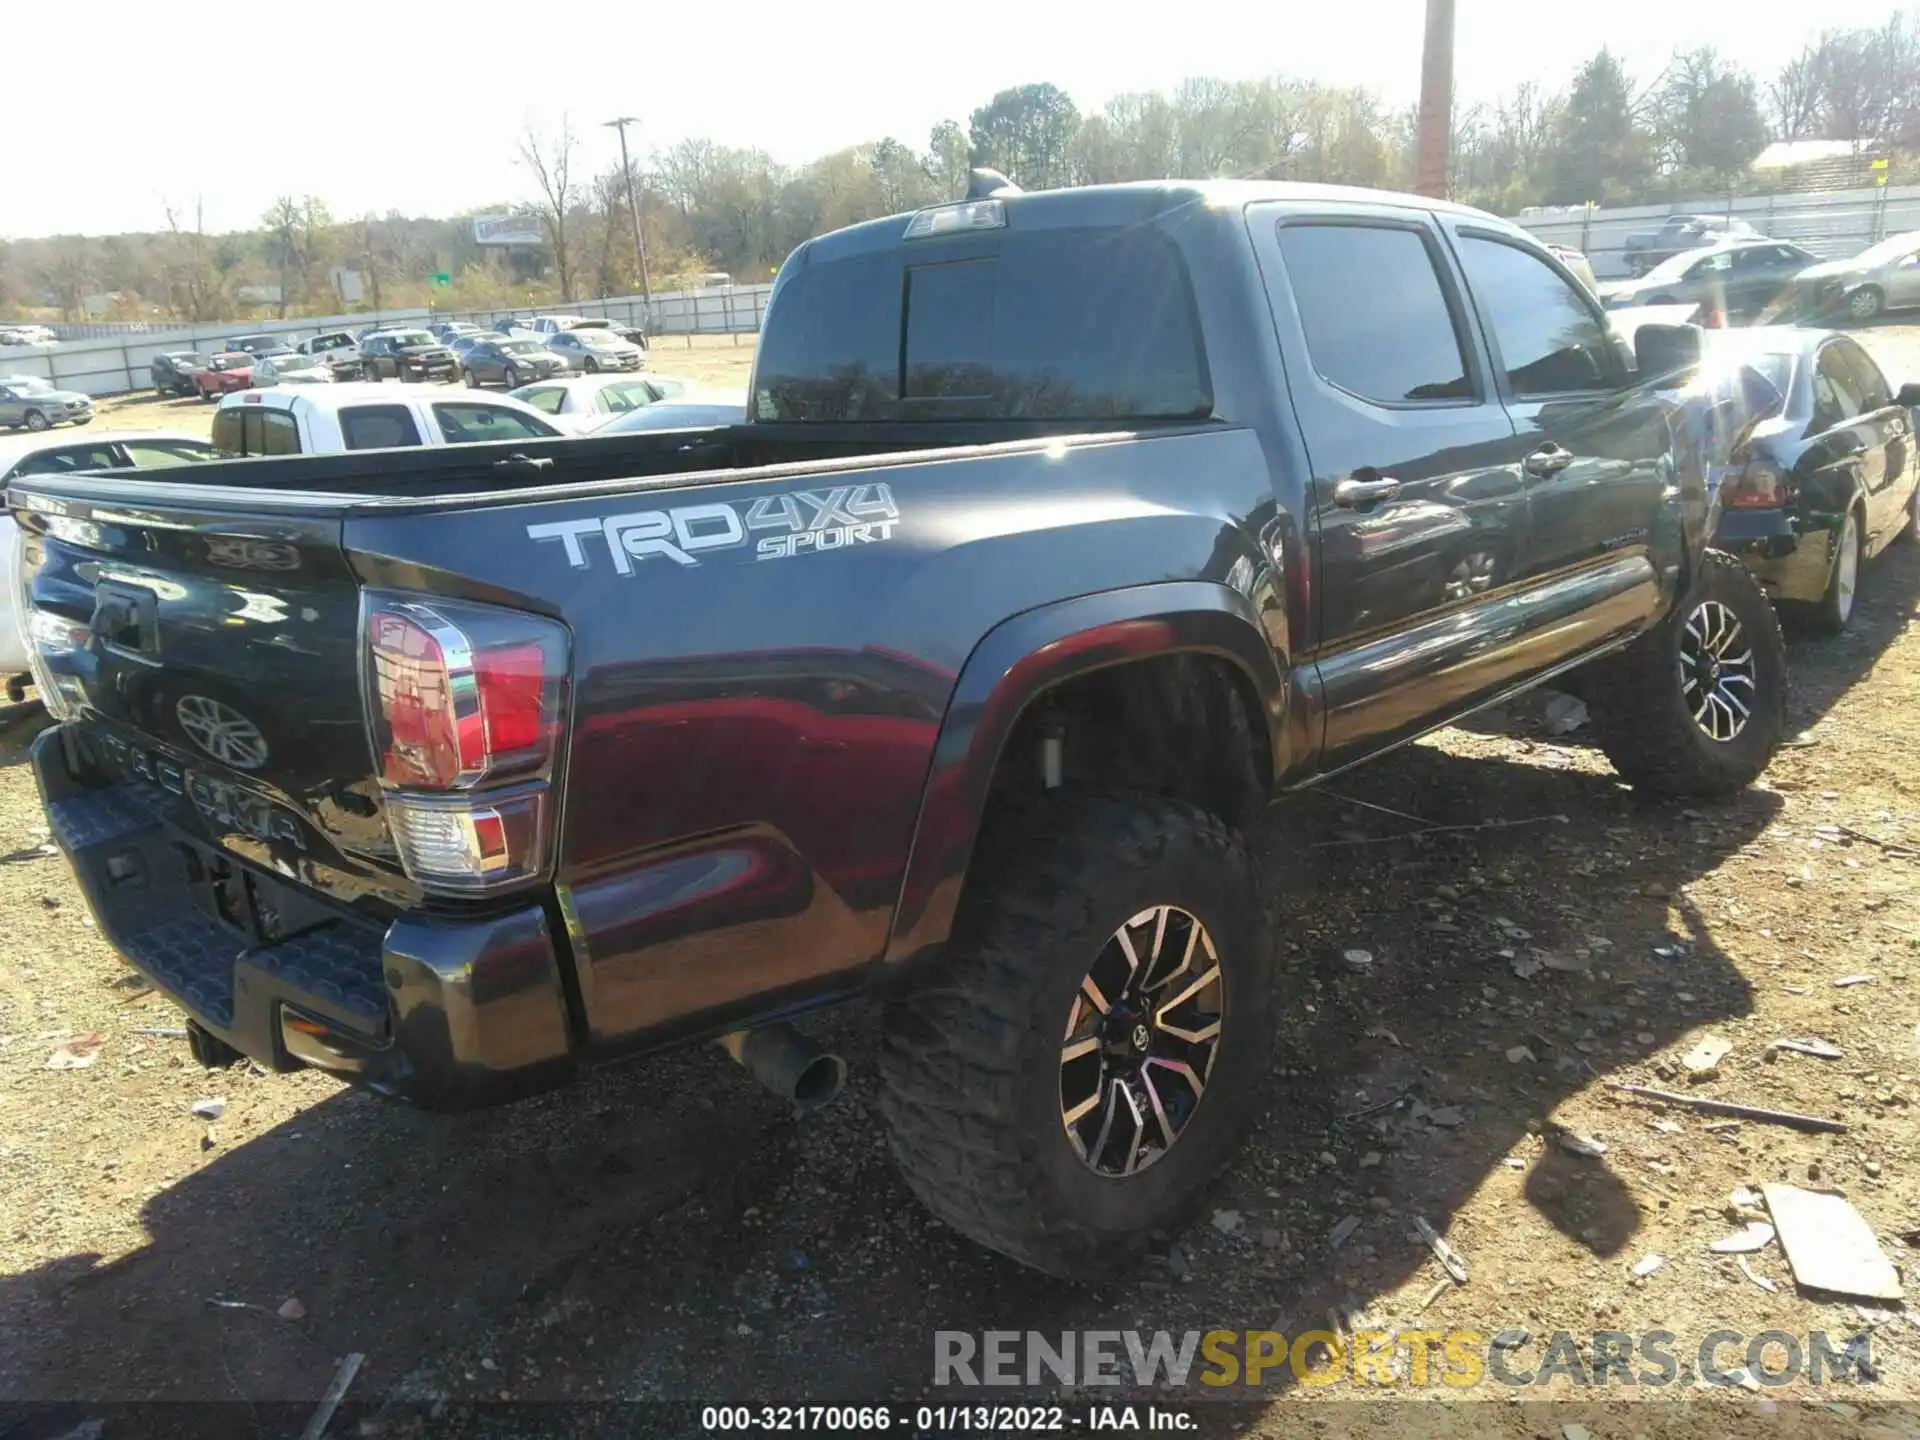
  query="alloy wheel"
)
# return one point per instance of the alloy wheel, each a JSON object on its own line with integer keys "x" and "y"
{"x": 1142, "y": 1035}
{"x": 1718, "y": 678}
{"x": 1846, "y": 574}
{"x": 1863, "y": 304}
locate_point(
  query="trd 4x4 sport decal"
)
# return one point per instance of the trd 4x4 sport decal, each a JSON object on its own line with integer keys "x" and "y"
{"x": 800, "y": 522}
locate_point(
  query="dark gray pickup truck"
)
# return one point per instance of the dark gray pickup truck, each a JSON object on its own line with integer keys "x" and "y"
{"x": 1065, "y": 531}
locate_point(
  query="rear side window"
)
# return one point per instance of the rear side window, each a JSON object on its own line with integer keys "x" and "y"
{"x": 1836, "y": 389}
{"x": 1546, "y": 332}
{"x": 546, "y": 399}
{"x": 474, "y": 424}
{"x": 1868, "y": 383}
{"x": 1377, "y": 322}
{"x": 1069, "y": 324}
{"x": 279, "y": 434}
{"x": 226, "y": 431}
{"x": 68, "y": 459}
{"x": 378, "y": 427}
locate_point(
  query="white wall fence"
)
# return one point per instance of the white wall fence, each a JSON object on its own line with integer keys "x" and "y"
{"x": 112, "y": 364}
{"x": 1831, "y": 224}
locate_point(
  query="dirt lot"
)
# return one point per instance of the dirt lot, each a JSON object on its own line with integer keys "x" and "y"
{"x": 667, "y": 1234}
{"x": 721, "y": 361}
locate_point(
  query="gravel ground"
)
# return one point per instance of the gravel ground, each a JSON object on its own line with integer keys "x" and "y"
{"x": 667, "y": 1234}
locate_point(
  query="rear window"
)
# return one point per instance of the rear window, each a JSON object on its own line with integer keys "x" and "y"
{"x": 248, "y": 430}
{"x": 378, "y": 427}
{"x": 1068, "y": 324}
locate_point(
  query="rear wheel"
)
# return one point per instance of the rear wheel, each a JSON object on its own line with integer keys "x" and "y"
{"x": 513, "y": 377}
{"x": 1697, "y": 705}
{"x": 467, "y": 379}
{"x": 1835, "y": 608}
{"x": 1091, "y": 1048}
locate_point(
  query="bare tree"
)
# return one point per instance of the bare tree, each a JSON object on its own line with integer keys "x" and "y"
{"x": 196, "y": 280}
{"x": 1794, "y": 97}
{"x": 551, "y": 162}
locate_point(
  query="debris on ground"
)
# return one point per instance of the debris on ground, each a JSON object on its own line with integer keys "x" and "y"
{"x": 1360, "y": 961}
{"x": 1380, "y": 1032}
{"x": 1585, "y": 1146}
{"x": 220, "y": 1304}
{"x": 1846, "y": 980}
{"x": 1443, "y": 1252}
{"x": 1563, "y": 963}
{"x": 1575, "y": 1432}
{"x": 1703, "y": 1060}
{"x": 1647, "y": 1265}
{"x": 291, "y": 1309}
{"x": 77, "y": 1052}
{"x": 1828, "y": 1245}
{"x": 1744, "y": 1197}
{"x": 1755, "y": 1235}
{"x": 1447, "y": 1116}
{"x": 1524, "y": 967}
{"x": 1226, "y": 1221}
{"x": 162, "y": 1032}
{"x": 1819, "y": 1049}
{"x": 1564, "y": 714}
{"x": 1760, "y": 1280}
{"x": 1521, "y": 1055}
{"x": 1727, "y": 1107}
{"x": 211, "y": 1108}
{"x": 1342, "y": 1232}
{"x": 331, "y": 1397}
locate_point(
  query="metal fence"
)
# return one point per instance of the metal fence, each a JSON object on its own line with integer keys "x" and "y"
{"x": 1832, "y": 224}
{"x": 118, "y": 362}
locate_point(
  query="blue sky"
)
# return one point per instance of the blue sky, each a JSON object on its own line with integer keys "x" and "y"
{"x": 417, "y": 105}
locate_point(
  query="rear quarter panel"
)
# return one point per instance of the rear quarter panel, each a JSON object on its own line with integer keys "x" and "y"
{"x": 752, "y": 730}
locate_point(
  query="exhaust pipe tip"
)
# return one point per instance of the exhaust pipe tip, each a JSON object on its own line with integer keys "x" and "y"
{"x": 793, "y": 1067}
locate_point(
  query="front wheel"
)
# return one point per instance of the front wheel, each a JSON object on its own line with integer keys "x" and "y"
{"x": 1092, "y": 1046}
{"x": 513, "y": 378}
{"x": 35, "y": 420}
{"x": 1865, "y": 304}
{"x": 1697, "y": 705}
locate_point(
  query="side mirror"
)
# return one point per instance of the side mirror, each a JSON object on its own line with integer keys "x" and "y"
{"x": 1665, "y": 349}
{"x": 1908, "y": 395}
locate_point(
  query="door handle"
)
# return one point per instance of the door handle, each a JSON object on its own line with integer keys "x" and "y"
{"x": 1358, "y": 494}
{"x": 1549, "y": 460}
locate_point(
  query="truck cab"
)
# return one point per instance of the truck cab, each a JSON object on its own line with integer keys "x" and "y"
{"x": 309, "y": 420}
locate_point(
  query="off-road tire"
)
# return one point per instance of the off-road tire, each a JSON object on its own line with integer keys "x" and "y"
{"x": 1640, "y": 716}
{"x": 970, "y": 1063}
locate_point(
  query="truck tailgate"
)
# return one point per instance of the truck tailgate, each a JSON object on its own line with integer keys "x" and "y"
{"x": 210, "y": 657}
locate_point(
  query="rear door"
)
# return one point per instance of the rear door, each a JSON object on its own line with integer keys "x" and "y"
{"x": 1416, "y": 494}
{"x": 1593, "y": 450}
{"x": 1865, "y": 433}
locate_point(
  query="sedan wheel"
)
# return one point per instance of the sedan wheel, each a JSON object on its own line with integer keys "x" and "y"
{"x": 1836, "y": 606}
{"x": 1865, "y": 303}
{"x": 513, "y": 377}
{"x": 35, "y": 420}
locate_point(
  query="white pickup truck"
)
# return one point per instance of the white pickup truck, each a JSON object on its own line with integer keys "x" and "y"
{"x": 315, "y": 419}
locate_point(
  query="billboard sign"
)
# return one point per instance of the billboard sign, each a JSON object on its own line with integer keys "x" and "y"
{"x": 508, "y": 230}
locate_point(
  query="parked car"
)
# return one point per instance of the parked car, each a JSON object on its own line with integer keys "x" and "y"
{"x": 464, "y": 343}
{"x": 319, "y": 419}
{"x": 590, "y": 350}
{"x": 509, "y": 362}
{"x": 1678, "y": 234}
{"x": 694, "y": 409}
{"x": 406, "y": 355}
{"x": 290, "y": 367}
{"x": 258, "y": 344}
{"x": 27, "y": 335}
{"x": 1824, "y": 475}
{"x": 1735, "y": 280}
{"x": 768, "y": 716}
{"x": 172, "y": 371}
{"x": 25, "y": 455}
{"x": 224, "y": 374}
{"x": 448, "y": 331}
{"x": 583, "y": 402}
{"x": 1881, "y": 277}
{"x": 30, "y": 403}
{"x": 337, "y": 350}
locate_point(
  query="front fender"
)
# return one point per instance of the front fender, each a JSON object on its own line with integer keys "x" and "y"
{"x": 1030, "y": 653}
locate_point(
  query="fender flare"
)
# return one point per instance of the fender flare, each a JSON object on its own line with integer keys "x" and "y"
{"x": 1028, "y": 654}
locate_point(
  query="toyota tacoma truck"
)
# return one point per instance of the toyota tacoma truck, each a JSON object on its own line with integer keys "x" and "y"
{"x": 1064, "y": 531}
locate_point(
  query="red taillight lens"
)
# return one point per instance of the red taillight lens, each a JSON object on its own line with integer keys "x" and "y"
{"x": 463, "y": 700}
{"x": 1756, "y": 485}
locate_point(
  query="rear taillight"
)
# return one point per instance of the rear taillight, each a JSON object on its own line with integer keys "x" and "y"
{"x": 47, "y": 637}
{"x": 1756, "y": 485}
{"x": 466, "y": 704}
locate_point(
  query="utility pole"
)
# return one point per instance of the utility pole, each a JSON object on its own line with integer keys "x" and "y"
{"x": 1433, "y": 135}
{"x": 633, "y": 213}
